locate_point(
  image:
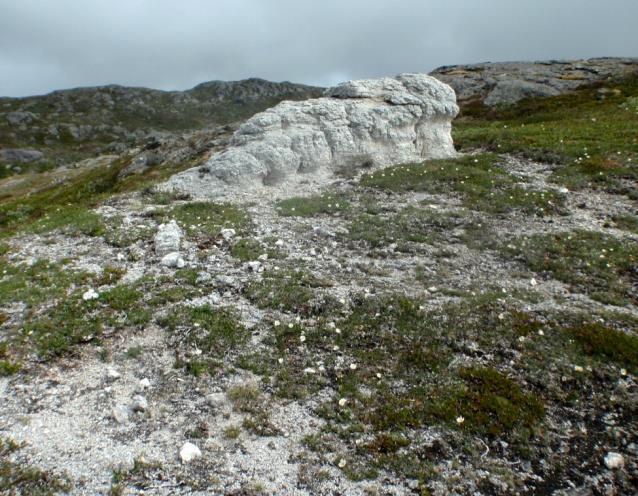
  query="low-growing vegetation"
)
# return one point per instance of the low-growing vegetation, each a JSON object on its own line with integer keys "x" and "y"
{"x": 590, "y": 139}
{"x": 600, "y": 265}
{"x": 480, "y": 181}
{"x": 326, "y": 204}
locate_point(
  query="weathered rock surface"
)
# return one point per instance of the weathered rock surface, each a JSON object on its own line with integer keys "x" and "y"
{"x": 20, "y": 155}
{"x": 168, "y": 238}
{"x": 371, "y": 122}
{"x": 509, "y": 82}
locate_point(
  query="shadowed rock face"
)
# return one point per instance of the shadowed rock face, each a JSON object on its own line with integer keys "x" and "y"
{"x": 370, "y": 122}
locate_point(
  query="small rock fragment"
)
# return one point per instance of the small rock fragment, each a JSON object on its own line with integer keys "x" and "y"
{"x": 168, "y": 238}
{"x": 144, "y": 384}
{"x": 173, "y": 260}
{"x": 112, "y": 374}
{"x": 614, "y": 460}
{"x": 189, "y": 452}
{"x": 254, "y": 266}
{"x": 90, "y": 294}
{"x": 228, "y": 234}
{"x": 120, "y": 414}
{"x": 139, "y": 404}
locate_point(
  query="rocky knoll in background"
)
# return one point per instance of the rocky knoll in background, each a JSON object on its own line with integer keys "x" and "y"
{"x": 63, "y": 127}
{"x": 509, "y": 82}
{"x": 358, "y": 123}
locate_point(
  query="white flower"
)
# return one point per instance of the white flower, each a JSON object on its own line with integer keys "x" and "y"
{"x": 291, "y": 325}
{"x": 342, "y": 402}
{"x": 342, "y": 463}
{"x": 276, "y": 323}
{"x": 302, "y": 338}
{"x": 460, "y": 419}
{"x": 335, "y": 348}
{"x": 310, "y": 370}
{"x": 533, "y": 282}
{"x": 378, "y": 375}
{"x": 578, "y": 368}
{"x": 353, "y": 366}
{"x": 281, "y": 360}
{"x": 541, "y": 333}
{"x": 623, "y": 371}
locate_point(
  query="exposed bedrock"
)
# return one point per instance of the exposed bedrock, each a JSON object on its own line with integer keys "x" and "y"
{"x": 358, "y": 123}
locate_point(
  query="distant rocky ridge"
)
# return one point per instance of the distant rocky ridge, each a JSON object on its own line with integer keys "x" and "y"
{"x": 375, "y": 122}
{"x": 508, "y": 82}
{"x": 71, "y": 125}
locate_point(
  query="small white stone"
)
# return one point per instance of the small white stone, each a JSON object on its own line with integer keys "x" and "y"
{"x": 309, "y": 370}
{"x": 263, "y": 257}
{"x": 342, "y": 463}
{"x": 120, "y": 414}
{"x": 228, "y": 234}
{"x": 563, "y": 190}
{"x": 112, "y": 374}
{"x": 533, "y": 282}
{"x": 353, "y": 366}
{"x": 189, "y": 452}
{"x": 343, "y": 401}
{"x": 614, "y": 460}
{"x": 433, "y": 289}
{"x": 173, "y": 260}
{"x": 578, "y": 368}
{"x": 144, "y": 384}
{"x": 623, "y": 372}
{"x": 279, "y": 242}
{"x": 90, "y": 294}
{"x": 139, "y": 404}
{"x": 254, "y": 266}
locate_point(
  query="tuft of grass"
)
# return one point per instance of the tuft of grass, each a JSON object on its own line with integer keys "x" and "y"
{"x": 597, "y": 264}
{"x": 409, "y": 225}
{"x": 71, "y": 220}
{"x": 248, "y": 249}
{"x": 598, "y": 339}
{"x": 134, "y": 351}
{"x": 325, "y": 204}
{"x": 592, "y": 140}
{"x": 287, "y": 290}
{"x": 216, "y": 332}
{"x": 208, "y": 218}
{"x": 479, "y": 180}
{"x": 20, "y": 478}
{"x": 489, "y": 403}
{"x": 626, "y": 223}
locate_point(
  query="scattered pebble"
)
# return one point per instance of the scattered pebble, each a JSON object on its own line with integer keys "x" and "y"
{"x": 189, "y": 452}
{"x": 228, "y": 234}
{"x": 614, "y": 460}
{"x": 90, "y": 294}
{"x": 112, "y": 374}
{"x": 139, "y": 404}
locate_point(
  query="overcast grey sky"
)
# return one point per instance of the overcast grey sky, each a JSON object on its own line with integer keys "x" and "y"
{"x": 176, "y": 44}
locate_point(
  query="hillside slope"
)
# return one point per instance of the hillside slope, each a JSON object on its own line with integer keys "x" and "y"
{"x": 463, "y": 326}
{"x": 71, "y": 125}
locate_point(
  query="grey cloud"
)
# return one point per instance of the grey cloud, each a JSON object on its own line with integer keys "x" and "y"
{"x": 51, "y": 44}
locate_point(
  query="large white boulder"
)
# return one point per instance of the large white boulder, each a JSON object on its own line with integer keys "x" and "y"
{"x": 372, "y": 122}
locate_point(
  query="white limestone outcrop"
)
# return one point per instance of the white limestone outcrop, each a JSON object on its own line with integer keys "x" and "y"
{"x": 358, "y": 123}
